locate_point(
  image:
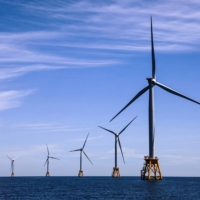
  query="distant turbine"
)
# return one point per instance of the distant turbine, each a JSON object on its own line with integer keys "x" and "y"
{"x": 80, "y": 174}
{"x": 47, "y": 161}
{"x": 116, "y": 172}
{"x": 12, "y": 165}
{"x": 151, "y": 162}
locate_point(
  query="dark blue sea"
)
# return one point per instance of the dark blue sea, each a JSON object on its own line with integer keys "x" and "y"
{"x": 98, "y": 188}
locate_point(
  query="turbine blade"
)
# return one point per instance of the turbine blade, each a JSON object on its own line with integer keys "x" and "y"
{"x": 46, "y": 162}
{"x": 9, "y": 157}
{"x": 87, "y": 157}
{"x": 174, "y": 92}
{"x": 85, "y": 141}
{"x": 153, "y": 54}
{"x": 108, "y": 130}
{"x": 121, "y": 149}
{"x": 47, "y": 149}
{"x": 16, "y": 158}
{"x": 135, "y": 97}
{"x": 54, "y": 158}
{"x": 75, "y": 150}
{"x": 126, "y": 126}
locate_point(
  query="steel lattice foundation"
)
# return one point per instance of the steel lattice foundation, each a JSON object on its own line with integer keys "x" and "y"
{"x": 116, "y": 173}
{"x": 151, "y": 169}
{"x": 80, "y": 174}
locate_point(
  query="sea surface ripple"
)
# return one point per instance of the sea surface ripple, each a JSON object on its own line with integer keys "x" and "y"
{"x": 98, "y": 188}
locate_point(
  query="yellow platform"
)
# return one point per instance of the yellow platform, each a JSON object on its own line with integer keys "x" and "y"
{"x": 116, "y": 172}
{"x": 47, "y": 174}
{"x": 80, "y": 174}
{"x": 151, "y": 169}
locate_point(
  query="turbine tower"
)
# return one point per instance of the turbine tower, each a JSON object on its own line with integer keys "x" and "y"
{"x": 47, "y": 161}
{"x": 151, "y": 164}
{"x": 116, "y": 172}
{"x": 12, "y": 166}
{"x": 80, "y": 174}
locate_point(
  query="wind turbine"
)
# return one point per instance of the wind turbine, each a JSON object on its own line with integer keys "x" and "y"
{"x": 80, "y": 174}
{"x": 12, "y": 165}
{"x": 151, "y": 162}
{"x": 47, "y": 161}
{"x": 116, "y": 172}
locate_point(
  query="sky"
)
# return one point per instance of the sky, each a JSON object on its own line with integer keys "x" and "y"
{"x": 67, "y": 67}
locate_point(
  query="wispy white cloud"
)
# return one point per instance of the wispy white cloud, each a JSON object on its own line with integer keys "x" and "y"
{"x": 128, "y": 21}
{"x": 69, "y": 30}
{"x": 178, "y": 160}
{"x": 50, "y": 127}
{"x": 13, "y": 72}
{"x": 128, "y": 153}
{"x": 36, "y": 150}
{"x": 12, "y": 98}
{"x": 83, "y": 139}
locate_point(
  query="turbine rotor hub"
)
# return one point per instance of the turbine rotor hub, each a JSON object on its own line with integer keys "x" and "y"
{"x": 151, "y": 80}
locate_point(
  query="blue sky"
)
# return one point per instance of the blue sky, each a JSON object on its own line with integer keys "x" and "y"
{"x": 69, "y": 66}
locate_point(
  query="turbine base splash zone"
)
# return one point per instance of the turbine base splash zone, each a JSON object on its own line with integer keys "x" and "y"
{"x": 47, "y": 174}
{"x": 151, "y": 169}
{"x": 80, "y": 174}
{"x": 12, "y": 175}
{"x": 116, "y": 172}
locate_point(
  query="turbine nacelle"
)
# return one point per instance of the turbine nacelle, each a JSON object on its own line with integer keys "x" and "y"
{"x": 151, "y": 79}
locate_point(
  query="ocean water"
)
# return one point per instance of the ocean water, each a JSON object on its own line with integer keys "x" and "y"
{"x": 98, "y": 188}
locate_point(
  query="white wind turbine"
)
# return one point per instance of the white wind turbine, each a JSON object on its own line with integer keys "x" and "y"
{"x": 47, "y": 161}
{"x": 12, "y": 165}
